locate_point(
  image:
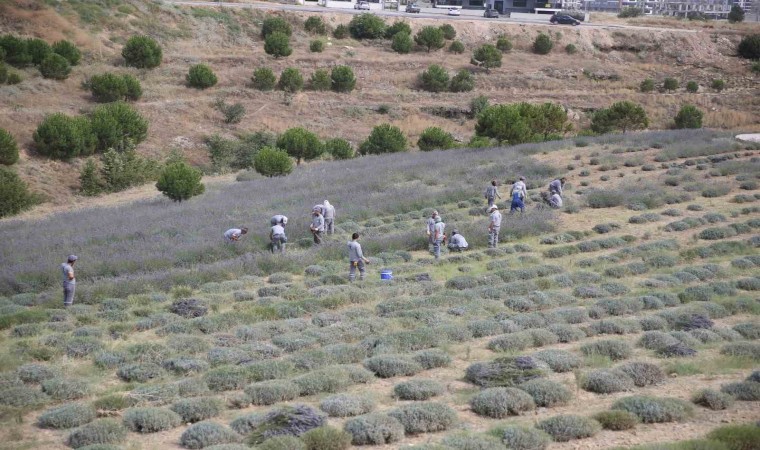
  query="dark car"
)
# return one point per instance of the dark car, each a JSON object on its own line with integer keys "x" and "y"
{"x": 564, "y": 19}
{"x": 412, "y": 8}
{"x": 491, "y": 14}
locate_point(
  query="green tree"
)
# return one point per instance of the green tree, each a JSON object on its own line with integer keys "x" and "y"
{"x": 689, "y": 116}
{"x": 8, "y": 148}
{"x": 434, "y": 79}
{"x": 142, "y": 52}
{"x": 275, "y": 25}
{"x": 630, "y": 12}
{"x": 200, "y": 76}
{"x": 670, "y": 84}
{"x": 456, "y": 47}
{"x": 68, "y": 50}
{"x": 478, "y": 105}
{"x": 125, "y": 169}
{"x": 398, "y": 27}
{"x": 300, "y": 143}
{"x": 736, "y": 14}
{"x": 543, "y": 44}
{"x": 571, "y": 49}
{"x": 16, "y": 52}
{"x": 179, "y": 181}
{"x": 343, "y": 79}
{"x": 55, "y": 66}
{"x": 290, "y": 80}
{"x": 718, "y": 85}
{"x": 232, "y": 113}
{"x": 385, "y": 138}
{"x": 118, "y": 125}
{"x": 647, "y": 85}
{"x": 749, "y": 47}
{"x": 449, "y": 33}
{"x": 505, "y": 123}
{"x": 134, "y": 89}
{"x": 38, "y": 50}
{"x": 14, "y": 193}
{"x": 62, "y": 137}
{"x": 486, "y": 56}
{"x": 320, "y": 80}
{"x": 504, "y": 44}
{"x": 546, "y": 119}
{"x": 339, "y": 148}
{"x": 3, "y": 73}
{"x": 316, "y": 46}
{"x": 237, "y": 153}
{"x": 272, "y": 163}
{"x": 108, "y": 87}
{"x": 692, "y": 87}
{"x": 315, "y": 24}
{"x": 340, "y": 32}
{"x": 90, "y": 183}
{"x": 463, "y": 81}
{"x": 622, "y": 116}
{"x": 402, "y": 42}
{"x": 366, "y": 26}
{"x": 430, "y": 37}
{"x": 263, "y": 79}
{"x": 277, "y": 44}
{"x": 434, "y": 138}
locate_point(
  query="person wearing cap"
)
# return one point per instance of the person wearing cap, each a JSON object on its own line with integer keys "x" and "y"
{"x": 457, "y": 242}
{"x": 234, "y": 234}
{"x": 438, "y": 236}
{"x": 277, "y": 238}
{"x": 494, "y": 224}
{"x": 317, "y": 226}
{"x": 491, "y": 193}
{"x": 278, "y": 219}
{"x": 555, "y": 187}
{"x": 329, "y": 215}
{"x": 431, "y": 228}
{"x": 69, "y": 280}
{"x": 356, "y": 258}
{"x": 519, "y": 186}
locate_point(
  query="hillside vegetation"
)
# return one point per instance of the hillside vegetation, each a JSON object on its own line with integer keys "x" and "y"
{"x": 597, "y": 326}
{"x": 606, "y": 65}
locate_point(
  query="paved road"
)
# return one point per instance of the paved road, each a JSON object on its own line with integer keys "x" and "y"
{"x": 428, "y": 13}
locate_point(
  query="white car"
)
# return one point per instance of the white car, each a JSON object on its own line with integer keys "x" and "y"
{"x": 454, "y": 12}
{"x": 361, "y": 5}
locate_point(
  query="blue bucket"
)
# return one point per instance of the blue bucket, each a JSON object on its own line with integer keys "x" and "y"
{"x": 386, "y": 274}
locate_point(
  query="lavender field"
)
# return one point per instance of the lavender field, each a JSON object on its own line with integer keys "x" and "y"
{"x": 628, "y": 319}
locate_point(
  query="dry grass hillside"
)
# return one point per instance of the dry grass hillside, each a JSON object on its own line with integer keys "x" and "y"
{"x": 609, "y": 65}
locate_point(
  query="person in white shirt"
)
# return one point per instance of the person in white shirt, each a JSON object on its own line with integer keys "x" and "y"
{"x": 494, "y": 225}
{"x": 234, "y": 234}
{"x": 457, "y": 242}
{"x": 356, "y": 258}
{"x": 329, "y": 215}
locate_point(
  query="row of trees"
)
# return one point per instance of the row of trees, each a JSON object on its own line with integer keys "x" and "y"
{"x": 671, "y": 84}
{"x": 339, "y": 79}
{"x": 53, "y": 61}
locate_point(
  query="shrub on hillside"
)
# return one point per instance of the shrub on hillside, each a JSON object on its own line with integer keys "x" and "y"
{"x": 543, "y": 44}
{"x": 196, "y": 409}
{"x": 424, "y": 417}
{"x": 387, "y": 366}
{"x": 712, "y": 399}
{"x": 263, "y": 79}
{"x": 643, "y": 374}
{"x": 118, "y": 125}
{"x": 689, "y": 116}
{"x": 316, "y": 46}
{"x": 142, "y": 52}
{"x": 55, "y": 66}
{"x": 397, "y": 27}
{"x": 449, "y": 32}
{"x": 521, "y": 122}
{"x": 205, "y": 434}
{"x": 68, "y": 50}
{"x": 110, "y": 87}
{"x": 343, "y": 79}
{"x": 417, "y": 389}
{"x": 101, "y": 431}
{"x": 504, "y": 44}
{"x": 604, "y": 381}
{"x": 374, "y": 429}
{"x": 748, "y": 391}
{"x": 456, "y": 47}
{"x": 546, "y": 393}
{"x": 630, "y": 12}
{"x": 366, "y": 26}
{"x": 62, "y": 137}
{"x": 500, "y": 402}
{"x": 402, "y": 42}
{"x": 624, "y": 116}
{"x": 341, "y": 32}
{"x": 38, "y": 50}
{"x": 272, "y": 391}
{"x": 434, "y": 138}
{"x": 150, "y": 420}
{"x": 139, "y": 372}
{"x": 737, "y": 437}
{"x": 430, "y": 37}
{"x": 559, "y": 360}
{"x": 65, "y": 389}
{"x": 275, "y": 443}
{"x": 275, "y": 25}
{"x": 290, "y": 80}
{"x": 521, "y": 438}
{"x": 300, "y": 143}
{"x": 179, "y": 181}
{"x": 69, "y": 415}
{"x": 616, "y": 420}
{"x": 277, "y": 44}
{"x": 670, "y": 84}
{"x": 287, "y": 420}
{"x": 503, "y": 372}
{"x": 692, "y": 87}
{"x": 271, "y": 162}
{"x": 566, "y": 428}
{"x": 346, "y": 405}
{"x": 487, "y": 56}
{"x": 16, "y": 51}
{"x": 200, "y": 76}
{"x": 462, "y": 82}
{"x": 326, "y": 438}
{"x": 647, "y": 85}
{"x": 315, "y": 24}
{"x": 655, "y": 410}
{"x": 384, "y": 138}
{"x": 339, "y": 148}
{"x": 22, "y": 397}
{"x": 749, "y": 47}
{"x": 614, "y": 349}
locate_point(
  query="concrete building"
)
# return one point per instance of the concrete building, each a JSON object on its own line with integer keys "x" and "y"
{"x": 513, "y": 6}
